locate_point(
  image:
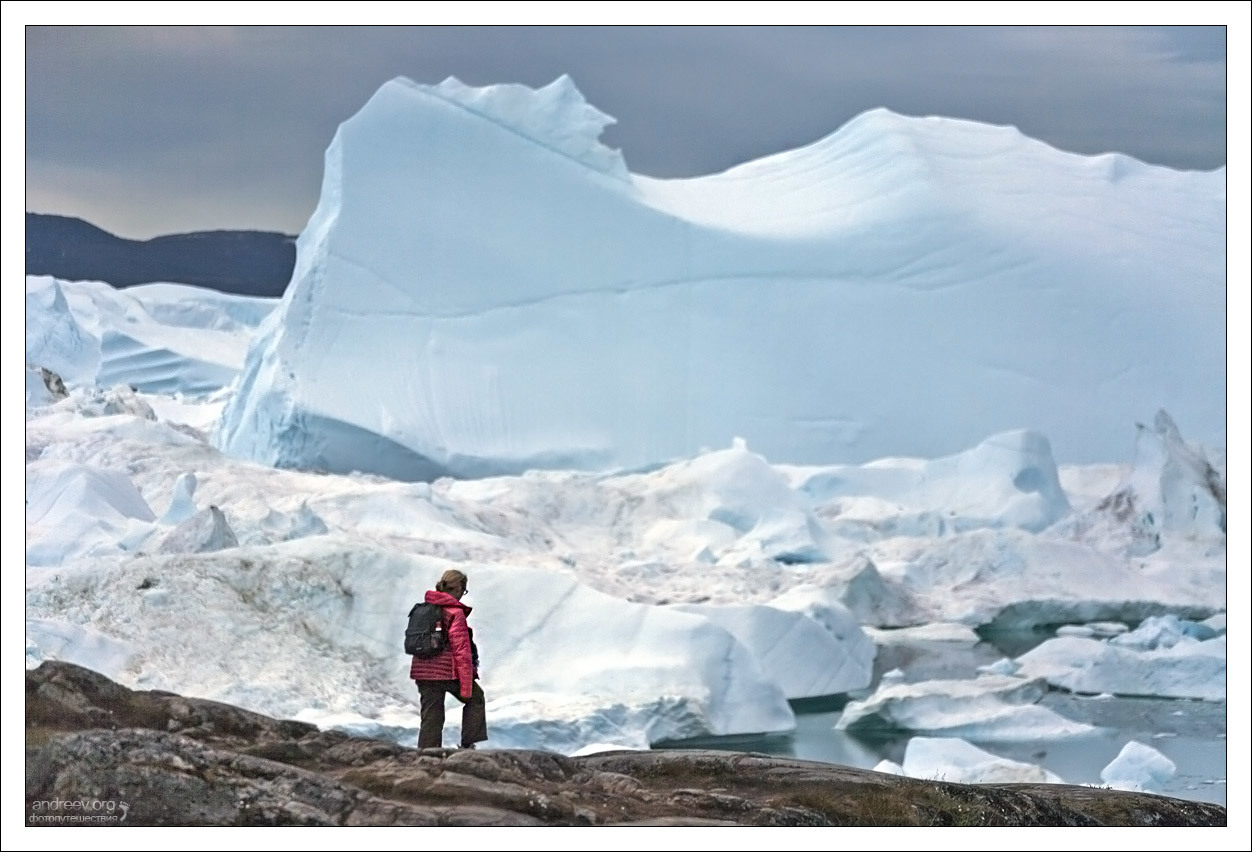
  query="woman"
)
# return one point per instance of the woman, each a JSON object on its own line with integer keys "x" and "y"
{"x": 454, "y": 670}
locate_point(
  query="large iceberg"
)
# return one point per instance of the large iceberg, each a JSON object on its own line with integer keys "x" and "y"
{"x": 484, "y": 288}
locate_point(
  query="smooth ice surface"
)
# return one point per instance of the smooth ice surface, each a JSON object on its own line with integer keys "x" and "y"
{"x": 484, "y": 288}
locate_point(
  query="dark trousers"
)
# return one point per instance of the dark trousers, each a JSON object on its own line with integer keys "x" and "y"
{"x": 473, "y": 714}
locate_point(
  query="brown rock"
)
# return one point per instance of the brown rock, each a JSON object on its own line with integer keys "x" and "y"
{"x": 183, "y": 761}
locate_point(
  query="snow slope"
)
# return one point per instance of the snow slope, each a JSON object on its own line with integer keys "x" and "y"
{"x": 485, "y": 289}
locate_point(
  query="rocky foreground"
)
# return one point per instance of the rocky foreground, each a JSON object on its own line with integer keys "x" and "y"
{"x": 178, "y": 761}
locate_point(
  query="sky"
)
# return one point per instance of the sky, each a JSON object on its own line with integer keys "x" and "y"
{"x": 146, "y": 130}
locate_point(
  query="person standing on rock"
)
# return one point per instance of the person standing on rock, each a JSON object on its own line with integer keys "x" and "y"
{"x": 453, "y": 671}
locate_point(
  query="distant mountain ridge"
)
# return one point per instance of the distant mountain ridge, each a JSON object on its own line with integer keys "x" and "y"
{"x": 249, "y": 263}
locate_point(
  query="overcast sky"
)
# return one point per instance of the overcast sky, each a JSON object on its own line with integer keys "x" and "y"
{"x": 153, "y": 130}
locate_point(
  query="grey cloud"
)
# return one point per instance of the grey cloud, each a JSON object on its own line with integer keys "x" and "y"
{"x": 167, "y": 125}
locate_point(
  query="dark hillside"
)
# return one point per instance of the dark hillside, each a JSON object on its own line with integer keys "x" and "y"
{"x": 249, "y": 263}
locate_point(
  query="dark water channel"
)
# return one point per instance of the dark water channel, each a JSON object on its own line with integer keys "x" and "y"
{"x": 1191, "y": 733}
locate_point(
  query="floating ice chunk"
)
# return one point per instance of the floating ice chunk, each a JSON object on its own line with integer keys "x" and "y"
{"x": 893, "y": 676}
{"x": 1161, "y": 632}
{"x": 1187, "y": 669}
{"x": 955, "y": 760}
{"x": 1138, "y": 767}
{"x": 742, "y": 491}
{"x": 987, "y": 709}
{"x": 303, "y": 523}
{"x": 571, "y": 725}
{"x": 1217, "y": 622}
{"x": 1074, "y": 630}
{"x": 1002, "y": 666}
{"x": 119, "y": 399}
{"x": 937, "y": 632}
{"x": 1107, "y": 628}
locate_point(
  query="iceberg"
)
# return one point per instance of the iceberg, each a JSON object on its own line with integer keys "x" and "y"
{"x": 1138, "y": 767}
{"x": 76, "y": 510}
{"x": 1151, "y": 660}
{"x": 804, "y": 658}
{"x": 484, "y": 289}
{"x": 955, "y": 760}
{"x": 1007, "y": 480}
{"x": 55, "y": 338}
{"x": 988, "y": 708}
{"x": 155, "y": 337}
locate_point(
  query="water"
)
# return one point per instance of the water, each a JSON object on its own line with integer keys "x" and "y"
{"x": 1191, "y": 733}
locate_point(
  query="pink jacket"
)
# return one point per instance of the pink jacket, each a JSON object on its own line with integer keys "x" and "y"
{"x": 456, "y": 662}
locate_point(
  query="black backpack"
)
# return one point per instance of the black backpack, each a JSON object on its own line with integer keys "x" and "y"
{"x": 425, "y": 636}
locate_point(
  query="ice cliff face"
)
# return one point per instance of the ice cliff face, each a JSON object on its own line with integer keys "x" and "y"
{"x": 485, "y": 288}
